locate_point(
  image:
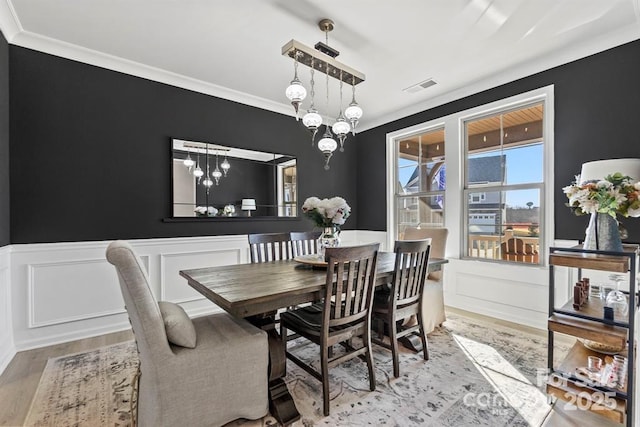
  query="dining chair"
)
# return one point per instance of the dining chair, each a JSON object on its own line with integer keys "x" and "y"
{"x": 206, "y": 370}
{"x": 304, "y": 242}
{"x": 343, "y": 315}
{"x": 433, "y": 300}
{"x": 266, "y": 247}
{"x": 405, "y": 298}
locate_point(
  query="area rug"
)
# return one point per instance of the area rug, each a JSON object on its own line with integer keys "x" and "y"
{"x": 86, "y": 389}
{"x": 478, "y": 373}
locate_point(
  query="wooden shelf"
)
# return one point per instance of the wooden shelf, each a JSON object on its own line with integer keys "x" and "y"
{"x": 570, "y": 392}
{"x": 588, "y": 329}
{"x": 586, "y": 399}
{"x": 577, "y": 357}
{"x": 565, "y": 415}
{"x": 594, "y": 308}
{"x": 616, "y": 264}
{"x": 588, "y": 323}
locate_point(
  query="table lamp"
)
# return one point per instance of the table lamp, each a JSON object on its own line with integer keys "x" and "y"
{"x": 596, "y": 171}
{"x": 248, "y": 205}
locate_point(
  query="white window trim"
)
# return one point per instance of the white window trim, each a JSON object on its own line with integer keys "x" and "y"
{"x": 454, "y": 162}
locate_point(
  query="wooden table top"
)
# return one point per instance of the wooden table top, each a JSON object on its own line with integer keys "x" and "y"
{"x": 249, "y": 289}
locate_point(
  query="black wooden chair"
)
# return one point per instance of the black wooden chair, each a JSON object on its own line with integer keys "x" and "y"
{"x": 304, "y": 242}
{"x": 404, "y": 299}
{"x": 269, "y": 247}
{"x": 344, "y": 314}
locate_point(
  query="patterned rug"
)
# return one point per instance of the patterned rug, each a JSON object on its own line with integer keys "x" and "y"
{"x": 86, "y": 389}
{"x": 478, "y": 374}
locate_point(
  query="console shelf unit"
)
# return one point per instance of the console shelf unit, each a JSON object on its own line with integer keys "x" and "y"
{"x": 589, "y": 323}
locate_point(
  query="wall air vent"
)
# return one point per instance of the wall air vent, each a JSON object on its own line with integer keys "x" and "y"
{"x": 419, "y": 86}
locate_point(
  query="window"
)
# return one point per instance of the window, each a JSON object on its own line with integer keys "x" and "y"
{"x": 420, "y": 179}
{"x": 287, "y": 189}
{"x": 504, "y": 157}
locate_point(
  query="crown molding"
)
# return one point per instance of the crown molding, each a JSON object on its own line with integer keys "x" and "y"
{"x": 74, "y": 52}
{"x": 9, "y": 22}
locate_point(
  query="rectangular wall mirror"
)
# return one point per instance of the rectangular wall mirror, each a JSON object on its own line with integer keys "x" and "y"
{"x": 217, "y": 181}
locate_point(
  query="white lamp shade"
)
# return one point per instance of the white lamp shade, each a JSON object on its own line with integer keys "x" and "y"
{"x": 312, "y": 119}
{"x": 353, "y": 112}
{"x": 295, "y": 91}
{"x": 598, "y": 170}
{"x": 341, "y": 127}
{"x": 248, "y": 204}
{"x": 327, "y": 144}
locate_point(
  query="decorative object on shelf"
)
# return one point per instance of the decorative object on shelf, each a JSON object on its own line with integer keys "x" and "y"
{"x": 602, "y": 348}
{"x": 328, "y": 214}
{"x": 605, "y": 194}
{"x": 616, "y": 299}
{"x": 229, "y": 210}
{"x": 248, "y": 205}
{"x": 322, "y": 59}
{"x": 206, "y": 211}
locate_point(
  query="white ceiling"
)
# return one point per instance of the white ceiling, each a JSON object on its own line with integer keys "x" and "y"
{"x": 232, "y": 48}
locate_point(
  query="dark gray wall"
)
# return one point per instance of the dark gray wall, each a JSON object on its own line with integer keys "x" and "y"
{"x": 5, "y": 223}
{"x": 90, "y": 155}
{"x": 597, "y": 100}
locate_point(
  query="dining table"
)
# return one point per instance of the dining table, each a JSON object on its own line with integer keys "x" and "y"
{"x": 256, "y": 291}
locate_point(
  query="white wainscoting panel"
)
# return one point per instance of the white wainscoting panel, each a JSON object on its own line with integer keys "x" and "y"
{"x": 67, "y": 291}
{"x": 173, "y": 285}
{"x": 64, "y": 291}
{"x": 7, "y": 348}
{"x": 91, "y": 281}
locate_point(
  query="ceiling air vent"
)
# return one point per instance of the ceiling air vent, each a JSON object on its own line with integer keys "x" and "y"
{"x": 419, "y": 86}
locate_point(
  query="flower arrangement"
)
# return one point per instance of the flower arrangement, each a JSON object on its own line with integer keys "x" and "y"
{"x": 206, "y": 211}
{"x": 327, "y": 212}
{"x": 615, "y": 194}
{"x": 229, "y": 210}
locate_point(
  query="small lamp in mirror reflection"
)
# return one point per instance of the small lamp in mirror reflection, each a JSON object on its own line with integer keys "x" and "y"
{"x": 248, "y": 205}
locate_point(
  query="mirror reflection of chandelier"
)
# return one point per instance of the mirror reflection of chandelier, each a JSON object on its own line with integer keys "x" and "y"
{"x": 322, "y": 59}
{"x": 198, "y": 173}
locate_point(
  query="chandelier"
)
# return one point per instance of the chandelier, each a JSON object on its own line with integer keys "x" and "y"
{"x": 198, "y": 173}
{"x": 322, "y": 59}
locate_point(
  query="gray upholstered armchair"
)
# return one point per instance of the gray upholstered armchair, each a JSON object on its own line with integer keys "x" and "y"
{"x": 222, "y": 378}
{"x": 433, "y": 302}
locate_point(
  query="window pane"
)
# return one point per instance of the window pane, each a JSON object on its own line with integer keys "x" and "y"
{"x": 504, "y": 149}
{"x": 421, "y": 163}
{"x": 500, "y": 217}
{"x": 426, "y": 211}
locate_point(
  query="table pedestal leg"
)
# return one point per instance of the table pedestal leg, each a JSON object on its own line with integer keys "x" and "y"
{"x": 281, "y": 404}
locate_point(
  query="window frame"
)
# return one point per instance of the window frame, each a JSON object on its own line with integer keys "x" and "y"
{"x": 392, "y": 174}
{"x": 469, "y": 189}
{"x": 454, "y": 163}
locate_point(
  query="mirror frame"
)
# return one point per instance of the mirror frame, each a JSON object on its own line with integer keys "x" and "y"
{"x": 276, "y": 185}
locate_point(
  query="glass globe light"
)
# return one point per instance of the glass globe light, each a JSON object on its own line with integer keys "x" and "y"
{"x": 198, "y": 172}
{"x": 216, "y": 174}
{"x": 327, "y": 145}
{"x": 312, "y": 120}
{"x": 207, "y": 182}
{"x": 295, "y": 92}
{"x": 353, "y": 111}
{"x": 341, "y": 127}
{"x": 188, "y": 162}
{"x": 225, "y": 166}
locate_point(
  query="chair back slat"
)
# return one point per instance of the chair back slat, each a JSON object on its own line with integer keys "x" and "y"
{"x": 412, "y": 257}
{"x": 269, "y": 247}
{"x": 304, "y": 242}
{"x": 515, "y": 249}
{"x": 350, "y": 279}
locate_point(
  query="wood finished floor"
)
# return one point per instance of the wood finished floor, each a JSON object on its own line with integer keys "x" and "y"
{"x": 20, "y": 379}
